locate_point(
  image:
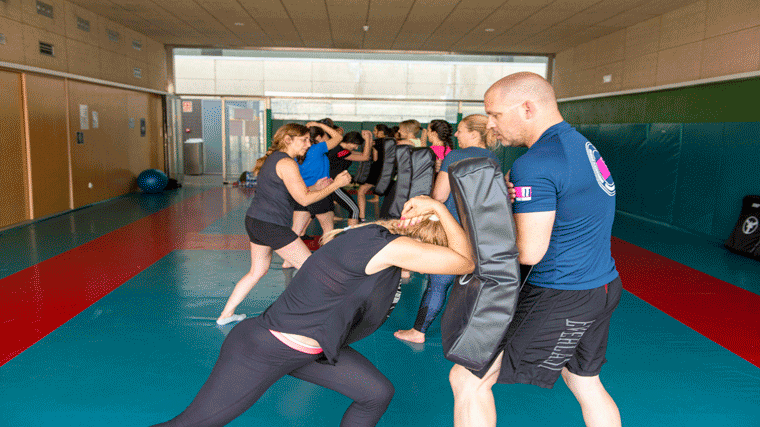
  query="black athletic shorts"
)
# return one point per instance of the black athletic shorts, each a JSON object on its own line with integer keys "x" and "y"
{"x": 555, "y": 328}
{"x": 323, "y": 206}
{"x": 267, "y": 234}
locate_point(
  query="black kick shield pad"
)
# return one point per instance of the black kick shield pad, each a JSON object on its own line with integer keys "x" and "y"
{"x": 389, "y": 167}
{"x": 362, "y": 172}
{"x": 482, "y": 304}
{"x": 403, "y": 180}
{"x": 415, "y": 169}
{"x": 423, "y": 172}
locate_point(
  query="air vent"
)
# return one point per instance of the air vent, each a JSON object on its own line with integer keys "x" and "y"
{"x": 2, "y": 37}
{"x": 112, "y": 35}
{"x": 137, "y": 72}
{"x": 44, "y": 9}
{"x": 136, "y": 45}
{"x": 83, "y": 24}
{"x": 46, "y": 49}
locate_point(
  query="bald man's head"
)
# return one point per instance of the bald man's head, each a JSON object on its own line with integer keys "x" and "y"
{"x": 518, "y": 87}
{"x": 521, "y": 107}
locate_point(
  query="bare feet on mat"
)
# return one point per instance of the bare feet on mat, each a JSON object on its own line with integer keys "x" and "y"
{"x": 411, "y": 335}
{"x": 229, "y": 319}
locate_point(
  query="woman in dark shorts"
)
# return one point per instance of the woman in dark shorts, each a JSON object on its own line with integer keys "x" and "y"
{"x": 270, "y": 214}
{"x": 342, "y": 293}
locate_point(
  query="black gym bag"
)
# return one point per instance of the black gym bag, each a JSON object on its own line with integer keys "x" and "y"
{"x": 482, "y": 304}
{"x": 745, "y": 238}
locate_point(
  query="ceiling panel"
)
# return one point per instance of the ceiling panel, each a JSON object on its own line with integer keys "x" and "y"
{"x": 659, "y": 7}
{"x": 346, "y": 23}
{"x": 273, "y": 19}
{"x": 425, "y": 20}
{"x": 310, "y": 19}
{"x": 429, "y": 25}
{"x": 625, "y": 19}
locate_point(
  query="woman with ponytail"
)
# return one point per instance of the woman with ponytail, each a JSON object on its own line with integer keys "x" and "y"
{"x": 474, "y": 141}
{"x": 439, "y": 133}
{"x": 341, "y": 294}
{"x": 270, "y": 214}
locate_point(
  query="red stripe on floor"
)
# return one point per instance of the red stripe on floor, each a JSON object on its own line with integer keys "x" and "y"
{"x": 41, "y": 298}
{"x": 722, "y": 312}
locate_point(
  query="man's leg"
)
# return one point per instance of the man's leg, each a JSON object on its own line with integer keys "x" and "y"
{"x": 599, "y": 410}
{"x": 474, "y": 405}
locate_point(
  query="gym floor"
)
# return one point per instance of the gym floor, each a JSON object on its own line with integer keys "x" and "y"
{"x": 109, "y": 310}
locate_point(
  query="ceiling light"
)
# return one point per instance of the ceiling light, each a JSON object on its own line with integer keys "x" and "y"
{"x": 365, "y": 28}
{"x": 490, "y": 30}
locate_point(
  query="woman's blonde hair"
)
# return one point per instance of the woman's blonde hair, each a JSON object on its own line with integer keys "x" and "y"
{"x": 412, "y": 127}
{"x": 426, "y": 230}
{"x": 478, "y": 123}
{"x": 278, "y": 141}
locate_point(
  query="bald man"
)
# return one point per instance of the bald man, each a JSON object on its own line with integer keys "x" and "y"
{"x": 563, "y": 211}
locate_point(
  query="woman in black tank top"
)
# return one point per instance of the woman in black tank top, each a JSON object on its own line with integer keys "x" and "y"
{"x": 341, "y": 294}
{"x": 270, "y": 215}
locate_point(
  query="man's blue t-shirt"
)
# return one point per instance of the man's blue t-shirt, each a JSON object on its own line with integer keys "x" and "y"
{"x": 455, "y": 156}
{"x": 564, "y": 172}
{"x": 315, "y": 165}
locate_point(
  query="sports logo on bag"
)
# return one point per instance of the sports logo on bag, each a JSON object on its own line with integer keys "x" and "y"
{"x": 750, "y": 225}
{"x": 601, "y": 172}
{"x": 523, "y": 194}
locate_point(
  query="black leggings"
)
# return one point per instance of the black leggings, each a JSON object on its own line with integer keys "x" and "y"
{"x": 252, "y": 359}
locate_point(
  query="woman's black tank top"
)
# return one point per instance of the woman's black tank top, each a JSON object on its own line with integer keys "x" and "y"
{"x": 331, "y": 299}
{"x": 271, "y": 200}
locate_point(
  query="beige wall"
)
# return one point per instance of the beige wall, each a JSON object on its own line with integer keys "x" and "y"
{"x": 708, "y": 38}
{"x": 113, "y": 154}
{"x": 48, "y": 146}
{"x": 90, "y": 54}
{"x": 47, "y": 170}
{"x": 14, "y": 205}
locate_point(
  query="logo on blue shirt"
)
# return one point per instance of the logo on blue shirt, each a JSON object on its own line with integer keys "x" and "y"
{"x": 601, "y": 172}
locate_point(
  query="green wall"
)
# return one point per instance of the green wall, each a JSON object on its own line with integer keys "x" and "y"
{"x": 683, "y": 157}
{"x": 734, "y": 101}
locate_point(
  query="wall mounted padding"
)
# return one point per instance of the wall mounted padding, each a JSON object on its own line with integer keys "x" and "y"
{"x": 389, "y": 167}
{"x": 482, "y": 304}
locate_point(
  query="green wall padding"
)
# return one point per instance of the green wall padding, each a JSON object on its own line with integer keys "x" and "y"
{"x": 691, "y": 176}
{"x": 683, "y": 157}
{"x": 740, "y": 166}
{"x": 697, "y": 191}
